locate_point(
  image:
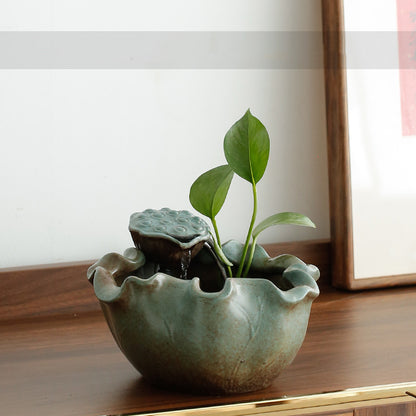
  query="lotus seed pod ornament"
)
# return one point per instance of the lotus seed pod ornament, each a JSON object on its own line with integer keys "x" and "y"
{"x": 193, "y": 314}
{"x": 170, "y": 238}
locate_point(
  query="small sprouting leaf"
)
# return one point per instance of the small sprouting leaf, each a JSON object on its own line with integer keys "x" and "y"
{"x": 292, "y": 218}
{"x": 208, "y": 192}
{"x": 246, "y": 148}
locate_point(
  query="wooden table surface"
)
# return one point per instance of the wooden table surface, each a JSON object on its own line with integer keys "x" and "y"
{"x": 70, "y": 365}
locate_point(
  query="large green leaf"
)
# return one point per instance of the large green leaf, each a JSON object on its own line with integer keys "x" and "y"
{"x": 246, "y": 148}
{"x": 208, "y": 192}
{"x": 292, "y": 218}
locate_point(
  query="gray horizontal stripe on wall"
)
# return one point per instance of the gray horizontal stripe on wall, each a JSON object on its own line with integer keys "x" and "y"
{"x": 160, "y": 50}
{"x": 199, "y": 50}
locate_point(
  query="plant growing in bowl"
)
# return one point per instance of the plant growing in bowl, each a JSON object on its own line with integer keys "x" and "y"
{"x": 246, "y": 148}
{"x": 192, "y": 313}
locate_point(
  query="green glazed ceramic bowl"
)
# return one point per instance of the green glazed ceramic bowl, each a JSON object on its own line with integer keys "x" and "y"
{"x": 234, "y": 340}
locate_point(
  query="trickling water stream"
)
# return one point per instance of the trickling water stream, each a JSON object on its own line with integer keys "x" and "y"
{"x": 184, "y": 263}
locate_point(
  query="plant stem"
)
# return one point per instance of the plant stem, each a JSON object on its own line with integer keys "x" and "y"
{"x": 250, "y": 231}
{"x": 217, "y": 236}
{"x": 250, "y": 257}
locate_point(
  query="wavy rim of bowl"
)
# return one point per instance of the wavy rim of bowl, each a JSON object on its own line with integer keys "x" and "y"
{"x": 107, "y": 290}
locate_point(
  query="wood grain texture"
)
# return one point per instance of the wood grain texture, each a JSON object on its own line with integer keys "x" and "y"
{"x": 338, "y": 144}
{"x": 342, "y": 256}
{"x": 382, "y": 282}
{"x": 343, "y": 414}
{"x": 403, "y": 409}
{"x": 346, "y": 413}
{"x": 323, "y": 413}
{"x": 339, "y": 414}
{"x": 70, "y": 365}
{"x": 47, "y": 290}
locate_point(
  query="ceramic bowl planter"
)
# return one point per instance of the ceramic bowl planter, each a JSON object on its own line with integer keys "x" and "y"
{"x": 207, "y": 333}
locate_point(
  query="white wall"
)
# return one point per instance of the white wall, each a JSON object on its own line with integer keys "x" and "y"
{"x": 82, "y": 149}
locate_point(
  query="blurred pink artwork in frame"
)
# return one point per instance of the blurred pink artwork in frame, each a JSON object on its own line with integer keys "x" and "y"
{"x": 406, "y": 23}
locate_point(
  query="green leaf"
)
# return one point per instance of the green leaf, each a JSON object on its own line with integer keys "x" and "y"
{"x": 246, "y": 148}
{"x": 291, "y": 218}
{"x": 208, "y": 192}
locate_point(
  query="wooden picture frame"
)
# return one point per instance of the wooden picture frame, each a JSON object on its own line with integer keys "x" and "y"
{"x": 339, "y": 167}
